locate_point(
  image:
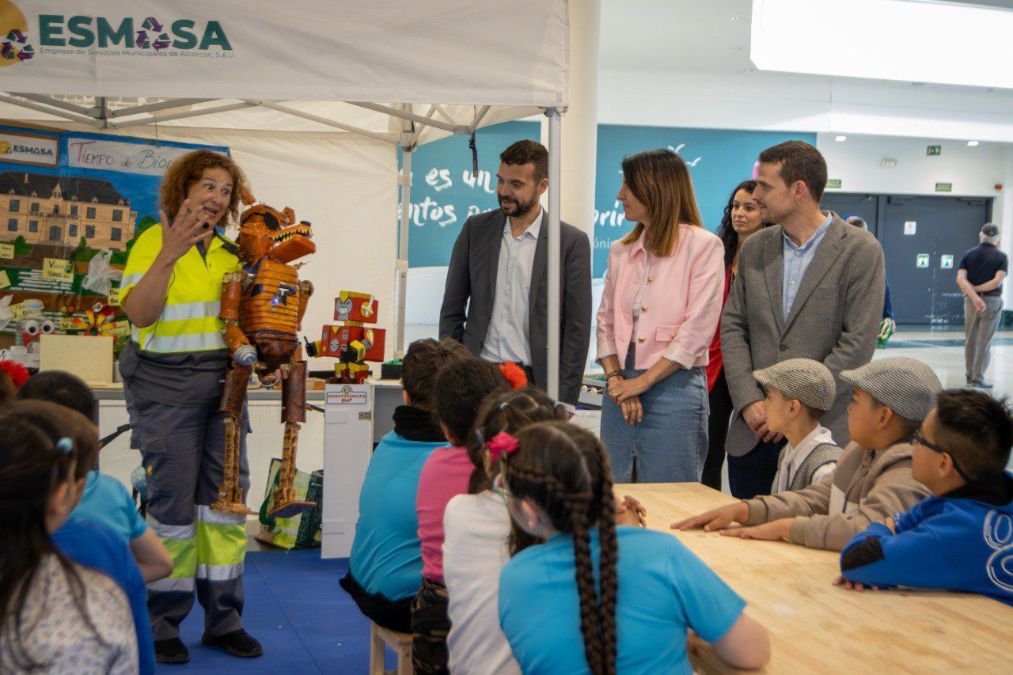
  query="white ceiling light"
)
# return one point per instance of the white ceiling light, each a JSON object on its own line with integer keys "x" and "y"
{"x": 972, "y": 144}
{"x": 840, "y": 139}
{"x": 888, "y": 40}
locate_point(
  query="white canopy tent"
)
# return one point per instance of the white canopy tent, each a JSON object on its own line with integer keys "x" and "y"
{"x": 394, "y": 72}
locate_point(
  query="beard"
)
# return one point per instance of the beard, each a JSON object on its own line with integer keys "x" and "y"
{"x": 520, "y": 209}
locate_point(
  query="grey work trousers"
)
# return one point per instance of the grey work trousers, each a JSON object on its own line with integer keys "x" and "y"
{"x": 979, "y": 327}
{"x": 183, "y": 452}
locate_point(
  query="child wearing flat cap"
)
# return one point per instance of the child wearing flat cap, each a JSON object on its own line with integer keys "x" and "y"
{"x": 798, "y": 393}
{"x": 873, "y": 478}
{"x": 961, "y": 538}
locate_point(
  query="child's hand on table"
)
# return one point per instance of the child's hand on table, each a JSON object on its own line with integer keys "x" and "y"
{"x": 631, "y": 512}
{"x": 773, "y": 531}
{"x": 715, "y": 519}
{"x": 853, "y": 585}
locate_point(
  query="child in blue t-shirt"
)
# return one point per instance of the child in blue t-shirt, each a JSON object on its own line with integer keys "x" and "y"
{"x": 959, "y": 539}
{"x": 652, "y": 588}
{"x": 104, "y": 500}
{"x": 385, "y": 566}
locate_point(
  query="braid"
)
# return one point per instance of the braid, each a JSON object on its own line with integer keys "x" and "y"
{"x": 609, "y": 558}
{"x": 584, "y": 572}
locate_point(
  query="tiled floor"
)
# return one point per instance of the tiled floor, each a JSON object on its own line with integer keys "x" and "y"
{"x": 944, "y": 352}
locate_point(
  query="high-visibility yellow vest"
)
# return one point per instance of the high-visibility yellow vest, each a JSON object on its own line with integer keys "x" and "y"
{"x": 189, "y": 320}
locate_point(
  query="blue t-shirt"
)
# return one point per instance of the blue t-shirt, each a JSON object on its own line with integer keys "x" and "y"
{"x": 386, "y": 554}
{"x": 98, "y": 547}
{"x": 106, "y": 502}
{"x": 663, "y": 590}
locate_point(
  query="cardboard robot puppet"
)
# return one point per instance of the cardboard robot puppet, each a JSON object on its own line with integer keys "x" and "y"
{"x": 262, "y": 307}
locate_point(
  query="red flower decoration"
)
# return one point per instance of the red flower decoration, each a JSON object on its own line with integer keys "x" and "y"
{"x": 17, "y": 372}
{"x": 514, "y": 374}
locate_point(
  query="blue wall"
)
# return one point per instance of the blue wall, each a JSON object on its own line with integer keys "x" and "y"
{"x": 444, "y": 194}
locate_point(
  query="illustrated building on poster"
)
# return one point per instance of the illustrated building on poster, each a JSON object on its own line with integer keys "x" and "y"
{"x": 59, "y": 210}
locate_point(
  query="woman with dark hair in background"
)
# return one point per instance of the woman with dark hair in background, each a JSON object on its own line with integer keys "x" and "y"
{"x": 741, "y": 218}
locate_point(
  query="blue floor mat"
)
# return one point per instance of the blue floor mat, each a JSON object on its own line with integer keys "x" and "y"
{"x": 298, "y": 611}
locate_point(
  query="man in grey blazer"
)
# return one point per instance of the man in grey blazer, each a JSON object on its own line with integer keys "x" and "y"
{"x": 811, "y": 286}
{"x": 495, "y": 298}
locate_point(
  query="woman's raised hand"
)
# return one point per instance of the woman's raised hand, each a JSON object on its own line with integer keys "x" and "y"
{"x": 189, "y": 227}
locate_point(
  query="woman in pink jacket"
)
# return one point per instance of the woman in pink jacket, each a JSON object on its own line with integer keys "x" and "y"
{"x": 658, "y": 313}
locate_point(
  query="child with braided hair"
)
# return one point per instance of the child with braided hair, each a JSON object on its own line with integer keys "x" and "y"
{"x": 480, "y": 535}
{"x": 652, "y": 589}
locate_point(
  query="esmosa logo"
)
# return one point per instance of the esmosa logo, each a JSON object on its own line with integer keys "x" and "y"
{"x": 14, "y": 47}
{"x": 64, "y": 34}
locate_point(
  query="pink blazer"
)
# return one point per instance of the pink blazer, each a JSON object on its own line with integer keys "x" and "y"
{"x": 681, "y": 304}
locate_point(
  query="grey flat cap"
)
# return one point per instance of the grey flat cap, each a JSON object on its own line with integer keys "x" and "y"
{"x": 805, "y": 380}
{"x": 907, "y": 386}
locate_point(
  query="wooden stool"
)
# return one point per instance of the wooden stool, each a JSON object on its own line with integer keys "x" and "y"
{"x": 401, "y": 643}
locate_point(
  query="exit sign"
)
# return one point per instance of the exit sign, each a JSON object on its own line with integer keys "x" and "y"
{"x": 834, "y": 183}
{"x": 944, "y": 187}
{"x": 934, "y": 150}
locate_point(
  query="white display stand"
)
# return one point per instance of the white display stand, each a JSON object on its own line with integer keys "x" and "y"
{"x": 348, "y": 444}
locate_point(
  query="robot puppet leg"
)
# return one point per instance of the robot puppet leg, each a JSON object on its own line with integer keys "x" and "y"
{"x": 293, "y": 411}
{"x": 230, "y": 495}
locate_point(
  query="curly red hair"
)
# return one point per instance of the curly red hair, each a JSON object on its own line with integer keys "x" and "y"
{"x": 188, "y": 169}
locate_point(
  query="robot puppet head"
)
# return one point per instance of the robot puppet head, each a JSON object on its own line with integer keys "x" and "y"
{"x": 267, "y": 232}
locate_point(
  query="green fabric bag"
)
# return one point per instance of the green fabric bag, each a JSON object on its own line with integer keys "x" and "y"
{"x": 303, "y": 530}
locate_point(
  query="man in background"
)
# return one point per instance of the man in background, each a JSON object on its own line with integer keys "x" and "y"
{"x": 495, "y": 299}
{"x": 982, "y": 271}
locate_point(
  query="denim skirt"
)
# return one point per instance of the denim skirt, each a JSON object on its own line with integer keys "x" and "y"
{"x": 670, "y": 445}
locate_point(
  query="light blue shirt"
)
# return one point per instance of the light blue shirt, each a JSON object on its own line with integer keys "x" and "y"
{"x": 386, "y": 555}
{"x": 796, "y": 262}
{"x": 106, "y": 502}
{"x": 507, "y": 339}
{"x": 663, "y": 590}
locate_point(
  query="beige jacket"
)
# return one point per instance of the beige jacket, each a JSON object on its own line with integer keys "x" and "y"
{"x": 867, "y": 486}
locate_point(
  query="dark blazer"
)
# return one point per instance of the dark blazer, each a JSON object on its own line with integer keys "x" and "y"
{"x": 471, "y": 289}
{"x": 834, "y": 319}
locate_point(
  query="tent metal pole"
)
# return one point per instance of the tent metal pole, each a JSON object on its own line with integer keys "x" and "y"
{"x": 553, "y": 286}
{"x": 155, "y": 107}
{"x": 57, "y": 103}
{"x": 405, "y": 181}
{"x": 182, "y": 115}
{"x": 386, "y": 138}
{"x": 479, "y": 116}
{"x": 395, "y": 112}
{"x": 49, "y": 110}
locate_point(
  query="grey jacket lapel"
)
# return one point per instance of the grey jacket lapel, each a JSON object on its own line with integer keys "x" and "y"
{"x": 773, "y": 272}
{"x": 539, "y": 266}
{"x": 823, "y": 260}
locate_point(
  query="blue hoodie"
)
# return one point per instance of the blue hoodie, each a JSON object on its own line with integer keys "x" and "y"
{"x": 960, "y": 541}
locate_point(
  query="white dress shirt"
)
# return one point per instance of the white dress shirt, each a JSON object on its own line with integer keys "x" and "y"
{"x": 507, "y": 339}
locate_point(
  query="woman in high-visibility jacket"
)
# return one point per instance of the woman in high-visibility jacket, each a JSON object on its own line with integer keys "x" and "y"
{"x": 173, "y": 368}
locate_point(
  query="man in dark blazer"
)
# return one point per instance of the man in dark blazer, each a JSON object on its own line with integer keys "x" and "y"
{"x": 495, "y": 298}
{"x": 811, "y": 286}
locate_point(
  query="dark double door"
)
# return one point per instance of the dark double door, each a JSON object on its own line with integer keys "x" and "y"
{"x": 923, "y": 239}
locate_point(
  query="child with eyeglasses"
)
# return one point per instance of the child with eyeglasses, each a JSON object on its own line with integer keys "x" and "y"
{"x": 961, "y": 538}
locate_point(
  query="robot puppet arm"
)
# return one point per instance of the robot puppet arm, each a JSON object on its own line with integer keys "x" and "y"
{"x": 243, "y": 353}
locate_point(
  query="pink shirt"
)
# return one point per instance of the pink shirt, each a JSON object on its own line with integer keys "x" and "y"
{"x": 444, "y": 476}
{"x": 680, "y": 306}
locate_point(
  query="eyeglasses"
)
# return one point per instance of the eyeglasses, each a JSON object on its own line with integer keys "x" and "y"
{"x": 918, "y": 439}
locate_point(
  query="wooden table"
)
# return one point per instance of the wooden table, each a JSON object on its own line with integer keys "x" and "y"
{"x": 816, "y": 627}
